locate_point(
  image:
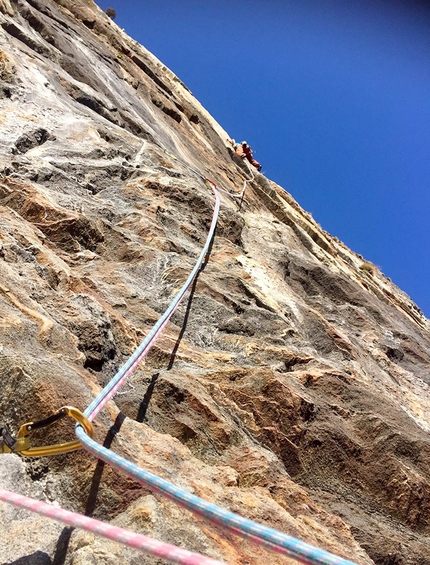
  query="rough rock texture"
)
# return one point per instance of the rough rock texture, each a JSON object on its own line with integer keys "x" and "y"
{"x": 292, "y": 384}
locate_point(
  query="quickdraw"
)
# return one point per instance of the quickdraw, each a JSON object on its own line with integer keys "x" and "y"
{"x": 258, "y": 533}
{"x": 210, "y": 184}
{"x": 21, "y": 443}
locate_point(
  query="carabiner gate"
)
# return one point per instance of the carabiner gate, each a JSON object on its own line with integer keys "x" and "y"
{"x": 21, "y": 444}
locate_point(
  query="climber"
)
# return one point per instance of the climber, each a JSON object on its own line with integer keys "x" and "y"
{"x": 244, "y": 151}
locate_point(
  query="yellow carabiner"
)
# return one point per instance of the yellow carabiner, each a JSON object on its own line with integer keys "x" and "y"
{"x": 26, "y": 429}
{"x": 15, "y": 445}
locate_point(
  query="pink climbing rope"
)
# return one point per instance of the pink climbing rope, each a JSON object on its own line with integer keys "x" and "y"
{"x": 125, "y": 537}
{"x": 255, "y": 532}
{"x": 232, "y": 194}
{"x": 120, "y": 535}
{"x": 140, "y": 353}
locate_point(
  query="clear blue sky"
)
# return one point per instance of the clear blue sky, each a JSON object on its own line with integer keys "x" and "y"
{"x": 334, "y": 98}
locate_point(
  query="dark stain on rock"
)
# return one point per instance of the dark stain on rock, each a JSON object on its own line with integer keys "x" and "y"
{"x": 31, "y": 139}
{"x": 168, "y": 111}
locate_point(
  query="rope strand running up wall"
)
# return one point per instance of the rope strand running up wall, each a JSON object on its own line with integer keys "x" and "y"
{"x": 120, "y": 535}
{"x": 253, "y": 531}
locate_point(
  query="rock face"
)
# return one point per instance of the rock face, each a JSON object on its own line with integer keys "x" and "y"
{"x": 291, "y": 385}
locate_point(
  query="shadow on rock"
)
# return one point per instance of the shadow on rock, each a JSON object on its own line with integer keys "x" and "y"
{"x": 144, "y": 405}
{"x": 36, "y": 558}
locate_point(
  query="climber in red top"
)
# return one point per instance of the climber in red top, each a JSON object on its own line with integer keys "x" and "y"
{"x": 244, "y": 151}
